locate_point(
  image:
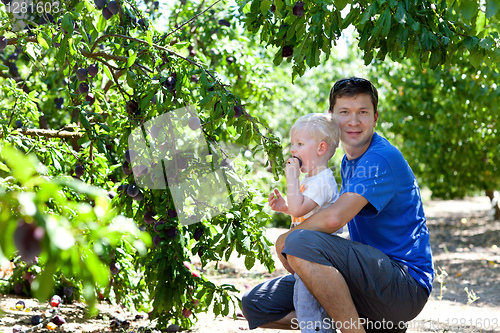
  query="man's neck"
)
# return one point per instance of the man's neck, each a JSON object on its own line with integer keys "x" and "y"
{"x": 355, "y": 152}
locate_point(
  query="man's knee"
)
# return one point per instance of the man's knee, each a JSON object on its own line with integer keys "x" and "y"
{"x": 300, "y": 237}
{"x": 246, "y": 303}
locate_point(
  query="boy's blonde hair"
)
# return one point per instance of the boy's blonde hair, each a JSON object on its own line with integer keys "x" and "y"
{"x": 322, "y": 127}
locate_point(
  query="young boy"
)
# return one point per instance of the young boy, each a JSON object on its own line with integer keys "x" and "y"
{"x": 315, "y": 137}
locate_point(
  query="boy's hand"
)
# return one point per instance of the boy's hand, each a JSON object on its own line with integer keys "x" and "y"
{"x": 277, "y": 202}
{"x": 292, "y": 168}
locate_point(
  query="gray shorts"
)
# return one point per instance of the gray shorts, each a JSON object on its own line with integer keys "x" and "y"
{"x": 381, "y": 288}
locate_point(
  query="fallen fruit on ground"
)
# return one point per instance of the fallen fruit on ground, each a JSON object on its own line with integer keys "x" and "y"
{"x": 55, "y": 301}
{"x": 36, "y": 319}
{"x": 58, "y": 320}
{"x": 20, "y": 305}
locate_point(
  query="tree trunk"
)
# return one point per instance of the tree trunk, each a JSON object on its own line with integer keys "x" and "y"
{"x": 493, "y": 195}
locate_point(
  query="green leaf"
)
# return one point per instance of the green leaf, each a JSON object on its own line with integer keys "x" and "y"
{"x": 3, "y": 167}
{"x": 265, "y": 6}
{"x": 3, "y": 67}
{"x": 387, "y": 22}
{"x": 207, "y": 99}
{"x": 57, "y": 166}
{"x": 67, "y": 23}
{"x": 492, "y": 7}
{"x": 146, "y": 100}
{"x": 107, "y": 72}
{"x": 131, "y": 58}
{"x": 340, "y": 4}
{"x": 476, "y": 58}
{"x": 400, "y": 15}
{"x": 101, "y": 24}
{"x": 149, "y": 38}
{"x": 42, "y": 41}
{"x": 61, "y": 54}
{"x": 468, "y": 8}
{"x": 22, "y": 168}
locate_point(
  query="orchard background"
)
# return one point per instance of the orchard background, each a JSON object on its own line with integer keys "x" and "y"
{"x": 78, "y": 77}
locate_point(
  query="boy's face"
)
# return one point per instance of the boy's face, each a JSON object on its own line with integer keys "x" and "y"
{"x": 305, "y": 148}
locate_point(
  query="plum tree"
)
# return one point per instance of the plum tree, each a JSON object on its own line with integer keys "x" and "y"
{"x": 83, "y": 88}
{"x": 79, "y": 170}
{"x": 100, "y": 4}
{"x": 82, "y": 74}
{"x": 93, "y": 70}
{"x": 27, "y": 239}
{"x": 149, "y": 217}
{"x": 3, "y": 43}
{"x": 194, "y": 123}
{"x": 133, "y": 190}
{"x": 106, "y": 13}
{"x": 114, "y": 268}
{"x": 90, "y": 98}
{"x": 113, "y": 7}
{"x": 298, "y": 9}
{"x": 238, "y": 111}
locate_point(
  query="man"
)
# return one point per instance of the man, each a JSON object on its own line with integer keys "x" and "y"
{"x": 382, "y": 277}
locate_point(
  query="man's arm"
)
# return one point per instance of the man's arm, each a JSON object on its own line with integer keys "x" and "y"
{"x": 328, "y": 220}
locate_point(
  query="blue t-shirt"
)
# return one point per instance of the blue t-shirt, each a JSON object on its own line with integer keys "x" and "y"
{"x": 393, "y": 221}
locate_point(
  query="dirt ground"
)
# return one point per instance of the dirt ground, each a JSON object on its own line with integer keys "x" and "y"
{"x": 465, "y": 297}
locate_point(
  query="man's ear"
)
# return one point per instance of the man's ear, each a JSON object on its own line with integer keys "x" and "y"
{"x": 376, "y": 117}
{"x": 322, "y": 148}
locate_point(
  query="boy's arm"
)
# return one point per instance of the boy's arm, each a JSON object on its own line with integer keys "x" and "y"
{"x": 298, "y": 204}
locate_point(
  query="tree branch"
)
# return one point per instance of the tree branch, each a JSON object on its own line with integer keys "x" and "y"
{"x": 48, "y": 133}
{"x": 189, "y": 21}
{"x": 162, "y": 48}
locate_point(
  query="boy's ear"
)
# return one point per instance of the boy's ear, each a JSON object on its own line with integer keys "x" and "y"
{"x": 322, "y": 148}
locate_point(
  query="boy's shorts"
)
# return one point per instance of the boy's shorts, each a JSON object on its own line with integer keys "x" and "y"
{"x": 382, "y": 289}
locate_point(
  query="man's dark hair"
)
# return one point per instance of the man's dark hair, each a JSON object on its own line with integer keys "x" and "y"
{"x": 353, "y": 86}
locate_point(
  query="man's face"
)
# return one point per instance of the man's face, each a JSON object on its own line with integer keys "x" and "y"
{"x": 357, "y": 120}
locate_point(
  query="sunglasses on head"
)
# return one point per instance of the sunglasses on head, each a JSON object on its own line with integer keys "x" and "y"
{"x": 357, "y": 81}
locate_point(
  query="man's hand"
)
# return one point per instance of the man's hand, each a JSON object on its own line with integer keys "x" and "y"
{"x": 277, "y": 202}
{"x": 280, "y": 245}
